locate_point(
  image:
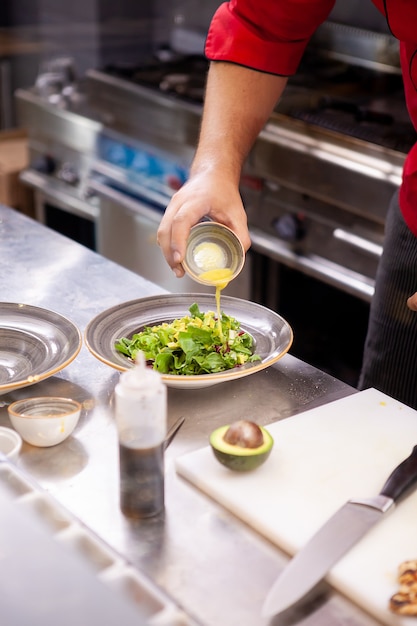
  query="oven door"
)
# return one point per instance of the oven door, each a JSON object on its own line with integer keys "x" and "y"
{"x": 320, "y": 268}
{"x": 127, "y": 232}
{"x": 63, "y": 208}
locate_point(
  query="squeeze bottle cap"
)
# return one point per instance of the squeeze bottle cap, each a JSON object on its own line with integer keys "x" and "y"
{"x": 140, "y": 377}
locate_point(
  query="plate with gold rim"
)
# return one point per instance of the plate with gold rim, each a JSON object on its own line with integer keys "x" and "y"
{"x": 271, "y": 333}
{"x": 35, "y": 343}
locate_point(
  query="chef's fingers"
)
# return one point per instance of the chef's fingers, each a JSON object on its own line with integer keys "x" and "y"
{"x": 173, "y": 231}
{"x": 214, "y": 196}
{"x": 173, "y": 257}
{"x": 412, "y": 302}
{"x": 239, "y": 225}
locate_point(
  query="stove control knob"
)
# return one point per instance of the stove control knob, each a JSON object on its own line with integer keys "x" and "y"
{"x": 44, "y": 164}
{"x": 68, "y": 174}
{"x": 290, "y": 227}
{"x": 89, "y": 193}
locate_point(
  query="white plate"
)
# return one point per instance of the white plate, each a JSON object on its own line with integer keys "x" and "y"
{"x": 34, "y": 344}
{"x": 272, "y": 335}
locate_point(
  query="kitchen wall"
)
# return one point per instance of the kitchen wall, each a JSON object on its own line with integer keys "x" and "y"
{"x": 98, "y": 32}
{"x": 359, "y": 13}
{"x": 192, "y": 13}
{"x": 196, "y": 14}
{"x": 92, "y": 32}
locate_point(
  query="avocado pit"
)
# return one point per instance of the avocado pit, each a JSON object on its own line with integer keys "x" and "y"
{"x": 245, "y": 434}
{"x": 241, "y": 446}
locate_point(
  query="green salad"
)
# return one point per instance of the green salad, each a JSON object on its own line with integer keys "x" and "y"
{"x": 194, "y": 344}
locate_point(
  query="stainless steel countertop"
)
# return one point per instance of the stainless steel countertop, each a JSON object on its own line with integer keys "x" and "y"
{"x": 214, "y": 566}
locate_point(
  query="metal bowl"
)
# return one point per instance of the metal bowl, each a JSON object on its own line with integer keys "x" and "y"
{"x": 213, "y": 246}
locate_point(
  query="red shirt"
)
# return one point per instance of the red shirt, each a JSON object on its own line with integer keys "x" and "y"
{"x": 271, "y": 36}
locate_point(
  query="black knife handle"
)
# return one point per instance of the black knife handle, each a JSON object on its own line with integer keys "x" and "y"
{"x": 403, "y": 477}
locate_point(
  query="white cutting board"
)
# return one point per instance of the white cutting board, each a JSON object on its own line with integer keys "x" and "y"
{"x": 320, "y": 459}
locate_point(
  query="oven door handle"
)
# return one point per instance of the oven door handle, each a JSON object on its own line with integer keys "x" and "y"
{"x": 357, "y": 242}
{"x": 313, "y": 265}
{"x": 52, "y": 190}
{"x": 132, "y": 204}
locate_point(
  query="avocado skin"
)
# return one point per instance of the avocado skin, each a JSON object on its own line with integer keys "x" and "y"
{"x": 244, "y": 459}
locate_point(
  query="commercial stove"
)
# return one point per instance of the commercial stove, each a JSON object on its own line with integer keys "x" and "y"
{"x": 316, "y": 185}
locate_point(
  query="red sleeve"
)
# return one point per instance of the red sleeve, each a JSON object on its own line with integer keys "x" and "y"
{"x": 267, "y": 35}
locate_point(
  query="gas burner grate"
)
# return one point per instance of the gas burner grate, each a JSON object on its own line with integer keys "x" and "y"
{"x": 184, "y": 78}
{"x": 361, "y": 123}
{"x": 351, "y": 101}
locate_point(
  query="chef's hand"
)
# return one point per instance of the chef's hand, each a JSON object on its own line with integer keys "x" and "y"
{"x": 412, "y": 302}
{"x": 205, "y": 194}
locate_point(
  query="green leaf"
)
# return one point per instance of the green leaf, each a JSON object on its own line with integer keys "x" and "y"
{"x": 192, "y": 345}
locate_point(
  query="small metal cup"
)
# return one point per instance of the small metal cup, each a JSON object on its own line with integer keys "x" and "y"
{"x": 213, "y": 246}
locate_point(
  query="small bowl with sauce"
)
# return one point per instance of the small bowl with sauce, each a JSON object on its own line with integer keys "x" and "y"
{"x": 214, "y": 254}
{"x": 44, "y": 421}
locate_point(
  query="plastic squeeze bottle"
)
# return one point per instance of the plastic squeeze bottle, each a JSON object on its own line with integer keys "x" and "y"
{"x": 141, "y": 419}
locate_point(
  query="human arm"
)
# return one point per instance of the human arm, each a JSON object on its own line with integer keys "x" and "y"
{"x": 238, "y": 103}
{"x": 254, "y": 46}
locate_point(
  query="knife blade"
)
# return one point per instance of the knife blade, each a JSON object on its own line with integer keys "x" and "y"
{"x": 340, "y": 533}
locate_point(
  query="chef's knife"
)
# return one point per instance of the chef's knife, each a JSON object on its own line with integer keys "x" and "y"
{"x": 340, "y": 533}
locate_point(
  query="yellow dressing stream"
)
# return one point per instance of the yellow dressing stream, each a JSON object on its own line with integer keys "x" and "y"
{"x": 220, "y": 278}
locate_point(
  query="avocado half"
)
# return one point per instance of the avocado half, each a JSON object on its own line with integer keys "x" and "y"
{"x": 238, "y": 458}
